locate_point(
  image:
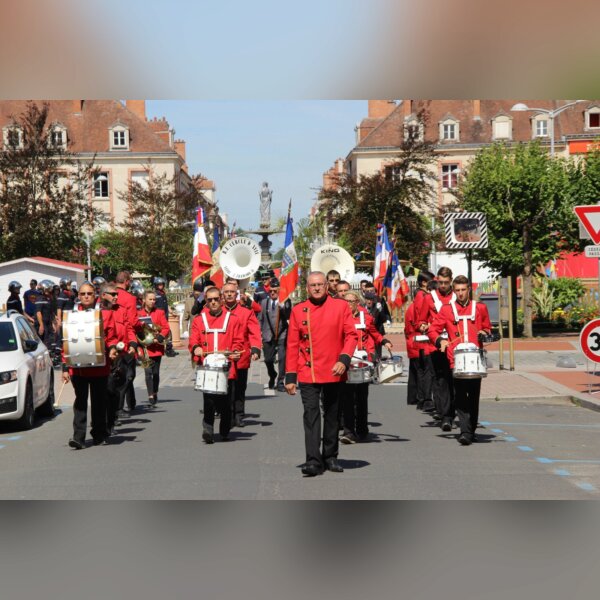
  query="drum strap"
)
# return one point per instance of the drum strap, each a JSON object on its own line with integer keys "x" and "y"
{"x": 215, "y": 331}
{"x": 438, "y": 303}
{"x": 464, "y": 318}
{"x": 360, "y": 325}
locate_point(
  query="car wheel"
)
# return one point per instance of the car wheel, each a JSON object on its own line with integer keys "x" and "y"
{"x": 47, "y": 408}
{"x": 28, "y": 418}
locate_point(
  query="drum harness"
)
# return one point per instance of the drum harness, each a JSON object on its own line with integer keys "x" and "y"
{"x": 361, "y": 326}
{"x": 464, "y": 320}
{"x": 215, "y": 331}
{"x": 438, "y": 306}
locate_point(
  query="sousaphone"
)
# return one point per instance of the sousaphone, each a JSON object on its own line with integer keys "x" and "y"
{"x": 334, "y": 257}
{"x": 240, "y": 258}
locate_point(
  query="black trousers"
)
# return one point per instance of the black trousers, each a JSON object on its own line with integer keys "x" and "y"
{"x": 127, "y": 392}
{"x": 95, "y": 387}
{"x": 420, "y": 379}
{"x": 443, "y": 388}
{"x": 239, "y": 393}
{"x": 356, "y": 408}
{"x": 466, "y": 398}
{"x": 312, "y": 394}
{"x": 115, "y": 386}
{"x": 272, "y": 351}
{"x": 152, "y": 374}
{"x": 222, "y": 404}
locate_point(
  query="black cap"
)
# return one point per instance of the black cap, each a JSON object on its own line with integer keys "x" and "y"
{"x": 274, "y": 282}
{"x": 370, "y": 296}
{"x": 198, "y": 287}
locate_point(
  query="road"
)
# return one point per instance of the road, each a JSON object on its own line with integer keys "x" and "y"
{"x": 538, "y": 450}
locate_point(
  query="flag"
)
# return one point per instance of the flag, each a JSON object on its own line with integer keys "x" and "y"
{"x": 395, "y": 282}
{"x": 216, "y": 273}
{"x": 232, "y": 233}
{"x": 383, "y": 253}
{"x": 289, "y": 265}
{"x": 202, "y": 260}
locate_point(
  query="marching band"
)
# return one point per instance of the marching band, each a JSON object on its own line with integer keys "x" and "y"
{"x": 327, "y": 348}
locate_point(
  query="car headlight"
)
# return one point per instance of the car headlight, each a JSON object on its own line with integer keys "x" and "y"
{"x": 7, "y": 376}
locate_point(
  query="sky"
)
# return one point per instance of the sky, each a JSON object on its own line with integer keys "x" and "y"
{"x": 239, "y": 144}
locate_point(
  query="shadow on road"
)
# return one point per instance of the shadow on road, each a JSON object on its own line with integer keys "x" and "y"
{"x": 240, "y": 435}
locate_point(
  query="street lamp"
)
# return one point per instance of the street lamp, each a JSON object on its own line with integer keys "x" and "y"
{"x": 520, "y": 107}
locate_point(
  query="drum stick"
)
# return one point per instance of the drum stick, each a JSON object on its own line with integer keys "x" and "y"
{"x": 60, "y": 393}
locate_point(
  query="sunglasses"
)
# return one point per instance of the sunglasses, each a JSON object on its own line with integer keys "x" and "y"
{"x": 333, "y": 280}
{"x": 111, "y": 293}
{"x": 213, "y": 300}
{"x": 87, "y": 293}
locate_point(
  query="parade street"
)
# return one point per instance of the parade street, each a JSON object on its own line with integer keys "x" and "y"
{"x": 544, "y": 448}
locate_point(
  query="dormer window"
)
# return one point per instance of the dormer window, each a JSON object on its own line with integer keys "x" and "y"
{"x": 592, "y": 118}
{"x": 449, "y": 130}
{"x": 540, "y": 127}
{"x": 119, "y": 138}
{"x": 13, "y": 137}
{"x": 502, "y": 128}
{"x": 413, "y": 130}
{"x": 57, "y": 137}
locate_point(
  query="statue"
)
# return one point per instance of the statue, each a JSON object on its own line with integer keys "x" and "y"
{"x": 265, "y": 195}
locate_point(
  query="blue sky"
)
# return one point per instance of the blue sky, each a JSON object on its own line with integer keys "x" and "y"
{"x": 239, "y": 144}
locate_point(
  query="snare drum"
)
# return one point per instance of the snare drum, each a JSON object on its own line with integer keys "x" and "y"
{"x": 360, "y": 372}
{"x": 83, "y": 338}
{"x": 469, "y": 362}
{"x": 212, "y": 380}
{"x": 388, "y": 369}
{"x": 423, "y": 339}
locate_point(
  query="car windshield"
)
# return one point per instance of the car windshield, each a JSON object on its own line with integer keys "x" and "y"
{"x": 8, "y": 339}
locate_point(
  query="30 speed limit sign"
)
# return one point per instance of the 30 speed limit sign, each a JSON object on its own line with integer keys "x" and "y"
{"x": 589, "y": 340}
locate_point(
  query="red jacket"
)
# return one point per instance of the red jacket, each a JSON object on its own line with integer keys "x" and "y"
{"x": 411, "y": 329}
{"x": 230, "y": 339}
{"x": 251, "y": 333}
{"x": 319, "y": 335}
{"x": 125, "y": 332}
{"x": 446, "y": 319}
{"x": 427, "y": 307}
{"x": 368, "y": 336}
{"x": 160, "y": 320}
{"x": 110, "y": 340}
{"x": 126, "y": 303}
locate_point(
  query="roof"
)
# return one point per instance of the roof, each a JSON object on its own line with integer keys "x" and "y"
{"x": 49, "y": 261}
{"x": 389, "y": 133}
{"x": 87, "y": 130}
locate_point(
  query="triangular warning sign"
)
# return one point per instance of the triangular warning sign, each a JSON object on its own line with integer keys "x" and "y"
{"x": 590, "y": 219}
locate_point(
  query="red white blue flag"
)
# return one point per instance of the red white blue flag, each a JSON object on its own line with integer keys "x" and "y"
{"x": 216, "y": 273}
{"x": 202, "y": 259}
{"x": 395, "y": 282}
{"x": 383, "y": 256}
{"x": 289, "y": 265}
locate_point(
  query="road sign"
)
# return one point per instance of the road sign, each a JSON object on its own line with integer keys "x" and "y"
{"x": 590, "y": 219}
{"x": 589, "y": 340}
{"x": 592, "y": 251}
{"x": 465, "y": 230}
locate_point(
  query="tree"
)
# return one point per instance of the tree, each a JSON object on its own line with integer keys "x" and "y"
{"x": 400, "y": 196}
{"x": 528, "y": 198}
{"x": 113, "y": 251}
{"x": 156, "y": 224}
{"x": 45, "y": 207}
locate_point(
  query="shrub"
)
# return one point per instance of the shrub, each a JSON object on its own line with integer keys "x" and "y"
{"x": 566, "y": 290}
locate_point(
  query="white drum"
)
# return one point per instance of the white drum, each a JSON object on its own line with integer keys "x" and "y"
{"x": 421, "y": 338}
{"x": 388, "y": 369}
{"x": 212, "y": 380}
{"x": 83, "y": 338}
{"x": 469, "y": 362}
{"x": 360, "y": 372}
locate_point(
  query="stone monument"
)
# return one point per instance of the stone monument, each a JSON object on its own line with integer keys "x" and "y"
{"x": 265, "y": 230}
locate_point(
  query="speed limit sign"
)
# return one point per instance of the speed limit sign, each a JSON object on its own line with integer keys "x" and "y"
{"x": 589, "y": 340}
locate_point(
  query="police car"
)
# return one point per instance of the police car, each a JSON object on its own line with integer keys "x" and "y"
{"x": 26, "y": 374}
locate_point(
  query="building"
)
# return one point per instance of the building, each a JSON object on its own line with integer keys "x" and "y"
{"x": 125, "y": 145}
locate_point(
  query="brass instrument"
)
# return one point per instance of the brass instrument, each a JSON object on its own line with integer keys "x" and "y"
{"x": 145, "y": 338}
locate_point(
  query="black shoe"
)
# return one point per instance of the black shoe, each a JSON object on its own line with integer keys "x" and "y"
{"x": 112, "y": 431}
{"x": 100, "y": 442}
{"x": 332, "y": 464}
{"x": 172, "y": 353}
{"x": 224, "y": 437}
{"x": 419, "y": 405}
{"x": 73, "y": 443}
{"x": 208, "y": 437}
{"x": 447, "y": 425}
{"x": 311, "y": 470}
{"x": 436, "y": 416}
{"x": 271, "y": 382}
{"x": 348, "y": 438}
{"x": 281, "y": 387}
{"x": 465, "y": 439}
{"x": 239, "y": 422}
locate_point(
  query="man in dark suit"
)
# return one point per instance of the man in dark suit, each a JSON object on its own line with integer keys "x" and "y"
{"x": 273, "y": 319}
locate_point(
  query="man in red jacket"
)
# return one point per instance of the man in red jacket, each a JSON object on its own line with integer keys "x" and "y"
{"x": 464, "y": 320}
{"x": 155, "y": 317}
{"x": 91, "y": 381}
{"x": 252, "y": 345}
{"x": 321, "y": 341}
{"x": 217, "y": 330}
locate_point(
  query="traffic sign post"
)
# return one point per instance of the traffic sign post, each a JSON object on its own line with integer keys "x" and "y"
{"x": 589, "y": 341}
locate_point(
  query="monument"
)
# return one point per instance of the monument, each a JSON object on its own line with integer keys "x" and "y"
{"x": 265, "y": 230}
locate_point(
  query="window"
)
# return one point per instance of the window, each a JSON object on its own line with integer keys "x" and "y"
{"x": 119, "y": 137}
{"x": 13, "y": 137}
{"x": 450, "y": 176}
{"x": 8, "y": 341}
{"x": 593, "y": 118}
{"x": 449, "y": 130}
{"x": 392, "y": 173}
{"x": 413, "y": 130}
{"x": 502, "y": 128}
{"x": 541, "y": 128}
{"x": 101, "y": 185}
{"x": 141, "y": 178}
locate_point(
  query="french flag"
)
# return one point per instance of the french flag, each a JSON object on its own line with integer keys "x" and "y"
{"x": 289, "y": 265}
{"x": 395, "y": 282}
{"x": 202, "y": 259}
{"x": 383, "y": 254}
{"x": 216, "y": 273}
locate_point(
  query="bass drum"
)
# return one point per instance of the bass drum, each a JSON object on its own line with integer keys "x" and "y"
{"x": 83, "y": 338}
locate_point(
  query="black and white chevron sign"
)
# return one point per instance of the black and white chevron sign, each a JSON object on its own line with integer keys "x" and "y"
{"x": 465, "y": 230}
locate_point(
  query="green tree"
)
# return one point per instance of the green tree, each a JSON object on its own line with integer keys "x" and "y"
{"x": 156, "y": 224}
{"x": 401, "y": 196}
{"x": 528, "y": 198}
{"x": 113, "y": 251}
{"x": 45, "y": 207}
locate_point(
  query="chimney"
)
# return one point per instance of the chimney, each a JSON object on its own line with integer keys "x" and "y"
{"x": 379, "y": 109}
{"x": 76, "y": 106}
{"x": 407, "y": 106}
{"x": 137, "y": 107}
{"x": 477, "y": 109}
{"x": 179, "y": 147}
